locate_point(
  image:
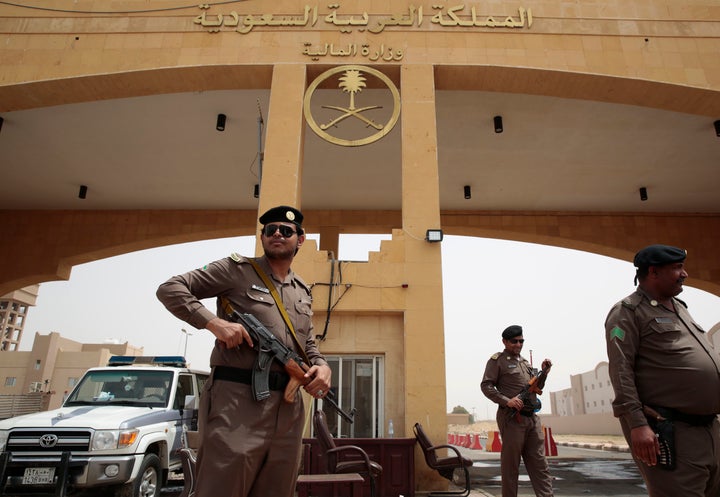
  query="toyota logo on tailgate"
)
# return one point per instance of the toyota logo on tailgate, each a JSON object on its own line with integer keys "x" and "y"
{"x": 48, "y": 440}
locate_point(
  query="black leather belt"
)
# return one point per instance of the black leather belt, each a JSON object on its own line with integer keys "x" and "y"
{"x": 278, "y": 380}
{"x": 691, "y": 419}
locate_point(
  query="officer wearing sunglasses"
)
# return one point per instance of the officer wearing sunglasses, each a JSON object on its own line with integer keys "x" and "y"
{"x": 506, "y": 374}
{"x": 251, "y": 448}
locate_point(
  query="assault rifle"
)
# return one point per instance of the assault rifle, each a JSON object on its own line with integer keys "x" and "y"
{"x": 268, "y": 348}
{"x": 532, "y": 387}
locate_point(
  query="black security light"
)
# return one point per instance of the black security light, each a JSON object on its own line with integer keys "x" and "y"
{"x": 434, "y": 236}
{"x": 643, "y": 193}
{"x": 716, "y": 123}
{"x": 498, "y": 124}
{"x": 256, "y": 190}
{"x": 468, "y": 192}
{"x": 220, "y": 125}
{"x": 1, "y": 123}
{"x": 83, "y": 191}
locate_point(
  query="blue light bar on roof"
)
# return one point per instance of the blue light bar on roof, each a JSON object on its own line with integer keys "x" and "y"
{"x": 161, "y": 360}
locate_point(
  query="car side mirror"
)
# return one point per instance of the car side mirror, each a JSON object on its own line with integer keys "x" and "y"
{"x": 191, "y": 402}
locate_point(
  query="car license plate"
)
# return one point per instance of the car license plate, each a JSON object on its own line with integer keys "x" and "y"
{"x": 38, "y": 476}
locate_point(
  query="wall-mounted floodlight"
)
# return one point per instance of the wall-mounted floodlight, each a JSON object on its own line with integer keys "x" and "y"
{"x": 434, "y": 236}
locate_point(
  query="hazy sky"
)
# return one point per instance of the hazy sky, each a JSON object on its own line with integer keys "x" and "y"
{"x": 560, "y": 297}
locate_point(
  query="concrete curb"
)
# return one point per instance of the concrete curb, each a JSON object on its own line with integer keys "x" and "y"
{"x": 596, "y": 446}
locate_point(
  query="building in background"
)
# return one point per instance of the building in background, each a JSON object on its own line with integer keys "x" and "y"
{"x": 52, "y": 367}
{"x": 589, "y": 393}
{"x": 13, "y": 313}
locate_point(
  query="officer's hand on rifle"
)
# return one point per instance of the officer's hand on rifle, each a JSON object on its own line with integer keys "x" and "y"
{"x": 319, "y": 386}
{"x": 515, "y": 403}
{"x": 230, "y": 334}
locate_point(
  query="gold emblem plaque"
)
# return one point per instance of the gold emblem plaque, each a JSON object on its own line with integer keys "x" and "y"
{"x": 352, "y": 81}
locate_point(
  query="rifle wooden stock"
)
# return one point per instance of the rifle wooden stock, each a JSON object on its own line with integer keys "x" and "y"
{"x": 531, "y": 387}
{"x": 297, "y": 380}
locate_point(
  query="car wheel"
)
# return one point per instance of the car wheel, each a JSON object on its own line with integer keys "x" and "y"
{"x": 148, "y": 481}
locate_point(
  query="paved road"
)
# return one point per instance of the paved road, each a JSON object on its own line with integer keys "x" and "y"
{"x": 577, "y": 472}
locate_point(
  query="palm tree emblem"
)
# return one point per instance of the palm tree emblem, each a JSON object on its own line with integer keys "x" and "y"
{"x": 352, "y": 82}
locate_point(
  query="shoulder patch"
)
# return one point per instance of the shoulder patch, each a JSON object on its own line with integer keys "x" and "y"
{"x": 495, "y": 356}
{"x": 618, "y": 333}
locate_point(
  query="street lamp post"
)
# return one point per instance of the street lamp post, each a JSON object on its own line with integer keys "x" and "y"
{"x": 187, "y": 334}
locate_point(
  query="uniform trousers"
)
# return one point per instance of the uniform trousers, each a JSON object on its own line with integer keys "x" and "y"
{"x": 523, "y": 438}
{"x": 248, "y": 448}
{"x": 697, "y": 470}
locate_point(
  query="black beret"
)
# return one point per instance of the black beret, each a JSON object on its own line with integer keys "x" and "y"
{"x": 282, "y": 214}
{"x": 658, "y": 255}
{"x": 512, "y": 331}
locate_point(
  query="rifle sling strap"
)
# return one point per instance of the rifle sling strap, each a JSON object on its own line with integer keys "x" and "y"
{"x": 281, "y": 307}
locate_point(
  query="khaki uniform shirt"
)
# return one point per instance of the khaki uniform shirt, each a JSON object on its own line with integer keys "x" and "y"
{"x": 505, "y": 377}
{"x": 660, "y": 358}
{"x": 235, "y": 279}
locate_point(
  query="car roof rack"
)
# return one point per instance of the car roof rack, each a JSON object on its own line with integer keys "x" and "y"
{"x": 137, "y": 360}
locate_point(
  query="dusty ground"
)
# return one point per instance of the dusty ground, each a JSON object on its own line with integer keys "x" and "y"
{"x": 483, "y": 427}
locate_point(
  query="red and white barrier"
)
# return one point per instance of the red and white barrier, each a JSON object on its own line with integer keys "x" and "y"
{"x": 550, "y": 446}
{"x": 494, "y": 444}
{"x": 476, "y": 445}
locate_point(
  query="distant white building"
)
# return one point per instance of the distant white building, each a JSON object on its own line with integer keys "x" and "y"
{"x": 589, "y": 393}
{"x": 592, "y": 393}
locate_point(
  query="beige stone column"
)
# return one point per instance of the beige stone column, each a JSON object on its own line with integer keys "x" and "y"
{"x": 284, "y": 140}
{"x": 424, "y": 337}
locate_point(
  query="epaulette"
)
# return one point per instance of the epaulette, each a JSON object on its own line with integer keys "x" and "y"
{"x": 237, "y": 257}
{"x": 302, "y": 284}
{"x": 496, "y": 355}
{"x": 632, "y": 301}
{"x": 682, "y": 302}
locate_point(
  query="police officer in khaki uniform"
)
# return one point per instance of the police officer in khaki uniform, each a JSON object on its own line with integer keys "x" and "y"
{"x": 666, "y": 377}
{"x": 506, "y": 374}
{"x": 250, "y": 448}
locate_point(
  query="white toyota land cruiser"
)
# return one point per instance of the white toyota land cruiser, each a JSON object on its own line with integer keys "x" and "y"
{"x": 121, "y": 428}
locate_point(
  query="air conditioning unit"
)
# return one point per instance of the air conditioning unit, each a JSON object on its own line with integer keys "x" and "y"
{"x": 36, "y": 386}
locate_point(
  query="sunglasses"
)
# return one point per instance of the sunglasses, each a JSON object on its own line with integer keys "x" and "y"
{"x": 285, "y": 231}
{"x": 517, "y": 340}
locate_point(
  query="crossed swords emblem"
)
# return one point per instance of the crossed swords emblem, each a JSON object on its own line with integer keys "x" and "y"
{"x": 352, "y": 82}
{"x": 350, "y": 111}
